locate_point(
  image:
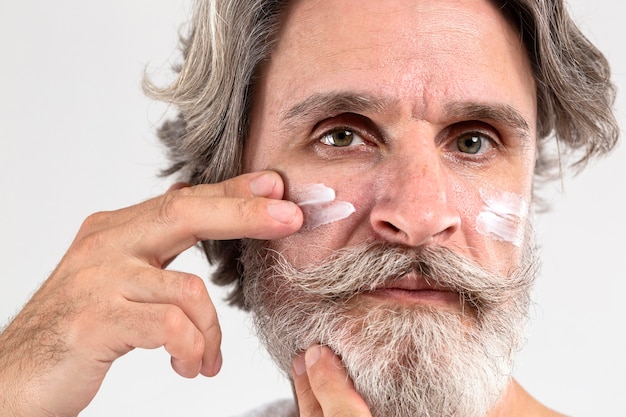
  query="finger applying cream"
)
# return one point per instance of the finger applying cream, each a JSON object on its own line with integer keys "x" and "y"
{"x": 319, "y": 205}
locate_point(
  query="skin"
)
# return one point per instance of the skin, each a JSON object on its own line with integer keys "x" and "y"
{"x": 409, "y": 182}
{"x": 111, "y": 292}
{"x": 423, "y": 67}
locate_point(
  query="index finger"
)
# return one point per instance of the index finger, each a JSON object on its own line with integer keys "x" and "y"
{"x": 229, "y": 210}
{"x": 255, "y": 184}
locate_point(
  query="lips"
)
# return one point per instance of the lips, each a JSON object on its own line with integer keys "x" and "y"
{"x": 414, "y": 288}
{"x": 413, "y": 282}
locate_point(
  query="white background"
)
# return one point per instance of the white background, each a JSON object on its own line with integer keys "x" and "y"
{"x": 77, "y": 136}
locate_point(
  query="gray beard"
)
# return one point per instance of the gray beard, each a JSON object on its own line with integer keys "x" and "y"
{"x": 404, "y": 360}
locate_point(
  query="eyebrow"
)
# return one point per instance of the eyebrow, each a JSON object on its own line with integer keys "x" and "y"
{"x": 322, "y": 105}
{"x": 503, "y": 114}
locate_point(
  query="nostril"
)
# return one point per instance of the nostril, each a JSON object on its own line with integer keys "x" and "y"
{"x": 447, "y": 232}
{"x": 417, "y": 211}
{"x": 393, "y": 228}
{"x": 414, "y": 228}
{"x": 390, "y": 231}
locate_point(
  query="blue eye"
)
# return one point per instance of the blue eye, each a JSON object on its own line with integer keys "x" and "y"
{"x": 341, "y": 138}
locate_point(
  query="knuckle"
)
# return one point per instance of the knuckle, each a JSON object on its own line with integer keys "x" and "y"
{"x": 184, "y": 192}
{"x": 196, "y": 294}
{"x": 95, "y": 220}
{"x": 172, "y": 206}
{"x": 174, "y": 320}
{"x": 212, "y": 324}
{"x": 194, "y": 291}
{"x": 245, "y": 209}
{"x": 196, "y": 347}
{"x": 90, "y": 243}
{"x": 178, "y": 329}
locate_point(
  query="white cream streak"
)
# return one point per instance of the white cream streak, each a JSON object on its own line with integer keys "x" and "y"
{"x": 319, "y": 206}
{"x": 503, "y": 216}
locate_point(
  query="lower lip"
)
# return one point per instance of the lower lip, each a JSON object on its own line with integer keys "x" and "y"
{"x": 431, "y": 297}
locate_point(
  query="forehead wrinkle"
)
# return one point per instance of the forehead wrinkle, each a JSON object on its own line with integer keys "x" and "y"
{"x": 322, "y": 105}
{"x": 500, "y": 113}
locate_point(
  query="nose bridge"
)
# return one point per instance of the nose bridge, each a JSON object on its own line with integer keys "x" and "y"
{"x": 415, "y": 205}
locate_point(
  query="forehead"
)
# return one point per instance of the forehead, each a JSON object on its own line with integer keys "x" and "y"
{"x": 422, "y": 52}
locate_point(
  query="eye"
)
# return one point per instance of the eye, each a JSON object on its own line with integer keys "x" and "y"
{"x": 474, "y": 143}
{"x": 341, "y": 138}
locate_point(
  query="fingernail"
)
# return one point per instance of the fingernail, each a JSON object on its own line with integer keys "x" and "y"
{"x": 299, "y": 365}
{"x": 312, "y": 355}
{"x": 282, "y": 211}
{"x": 262, "y": 185}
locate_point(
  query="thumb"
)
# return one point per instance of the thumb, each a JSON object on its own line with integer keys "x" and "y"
{"x": 323, "y": 387}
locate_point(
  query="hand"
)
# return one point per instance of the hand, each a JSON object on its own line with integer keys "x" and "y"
{"x": 110, "y": 293}
{"x": 323, "y": 387}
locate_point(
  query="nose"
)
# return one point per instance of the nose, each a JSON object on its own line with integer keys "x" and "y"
{"x": 414, "y": 205}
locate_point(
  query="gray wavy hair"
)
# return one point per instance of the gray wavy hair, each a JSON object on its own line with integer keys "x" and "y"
{"x": 229, "y": 39}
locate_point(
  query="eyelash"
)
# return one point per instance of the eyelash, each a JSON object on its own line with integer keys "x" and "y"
{"x": 450, "y": 139}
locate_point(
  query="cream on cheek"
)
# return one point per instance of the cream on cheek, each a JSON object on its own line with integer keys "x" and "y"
{"x": 319, "y": 205}
{"x": 502, "y": 216}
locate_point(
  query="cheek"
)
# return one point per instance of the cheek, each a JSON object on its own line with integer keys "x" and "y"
{"x": 336, "y": 214}
{"x": 333, "y": 210}
{"x": 494, "y": 225}
{"x": 502, "y": 216}
{"x": 320, "y": 205}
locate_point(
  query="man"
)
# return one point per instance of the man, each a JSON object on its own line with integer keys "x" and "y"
{"x": 408, "y": 134}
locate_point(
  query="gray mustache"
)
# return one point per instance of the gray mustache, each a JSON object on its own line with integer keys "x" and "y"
{"x": 355, "y": 270}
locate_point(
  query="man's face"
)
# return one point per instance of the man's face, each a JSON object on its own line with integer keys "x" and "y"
{"x": 421, "y": 116}
{"x": 420, "y": 113}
